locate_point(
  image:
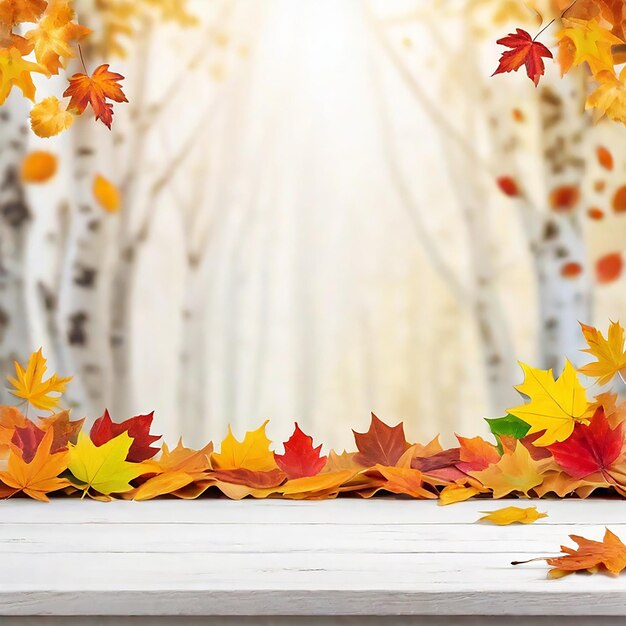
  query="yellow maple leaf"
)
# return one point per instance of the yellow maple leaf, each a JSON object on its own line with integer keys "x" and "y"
{"x": 609, "y": 98}
{"x": 107, "y": 194}
{"x": 515, "y": 471}
{"x": 512, "y": 515}
{"x": 54, "y": 34}
{"x": 104, "y": 468}
{"x": 30, "y": 385}
{"x": 585, "y": 41}
{"x": 16, "y": 71}
{"x": 555, "y": 405}
{"x": 48, "y": 119}
{"x": 609, "y": 353}
{"x": 252, "y": 453}
{"x": 41, "y": 475}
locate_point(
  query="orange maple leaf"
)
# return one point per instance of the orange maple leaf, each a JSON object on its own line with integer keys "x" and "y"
{"x": 95, "y": 90}
{"x": 524, "y": 51}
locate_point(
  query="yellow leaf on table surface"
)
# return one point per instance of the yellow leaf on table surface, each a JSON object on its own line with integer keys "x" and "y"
{"x": 252, "y": 453}
{"x": 38, "y": 167}
{"x": 512, "y": 515}
{"x": 30, "y": 385}
{"x": 555, "y": 405}
{"x": 104, "y": 468}
{"x": 107, "y": 194}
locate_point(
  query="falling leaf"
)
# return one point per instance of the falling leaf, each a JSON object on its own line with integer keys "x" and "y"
{"x": 95, "y": 90}
{"x": 30, "y": 385}
{"x": 591, "y": 448}
{"x": 609, "y": 353}
{"x": 512, "y": 515}
{"x": 605, "y": 158}
{"x": 48, "y": 119}
{"x": 609, "y": 267}
{"x": 609, "y": 98}
{"x": 564, "y": 198}
{"x": 38, "y": 167}
{"x": 381, "y": 444}
{"x": 53, "y": 37}
{"x": 252, "y": 453}
{"x": 104, "y": 429}
{"x": 301, "y": 459}
{"x": 104, "y": 468}
{"x": 508, "y": 186}
{"x": 571, "y": 269}
{"x": 14, "y": 12}
{"x": 107, "y": 194}
{"x": 619, "y": 200}
{"x": 15, "y": 71}
{"x": 40, "y": 476}
{"x": 515, "y": 471}
{"x": 585, "y": 41}
{"x": 594, "y": 213}
{"x": 555, "y": 405}
{"x": 524, "y": 51}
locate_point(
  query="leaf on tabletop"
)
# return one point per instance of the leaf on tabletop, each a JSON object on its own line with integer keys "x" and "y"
{"x": 65, "y": 430}
{"x": 48, "y": 119}
{"x": 252, "y": 453}
{"x": 524, "y": 51}
{"x": 555, "y": 405}
{"x": 250, "y": 478}
{"x": 38, "y": 166}
{"x": 591, "y": 448}
{"x": 608, "y": 401}
{"x": 30, "y": 385}
{"x": 104, "y": 429}
{"x": 341, "y": 462}
{"x": 458, "y": 492}
{"x": 95, "y": 90}
{"x": 512, "y": 515}
{"x": 516, "y": 471}
{"x": 104, "y": 468}
{"x": 441, "y": 465}
{"x": 609, "y": 353}
{"x": 476, "y": 454}
{"x": 106, "y": 194}
{"x": 310, "y": 487}
{"x": 54, "y": 35}
{"x": 608, "y": 555}
{"x": 300, "y": 459}
{"x": 402, "y": 481}
{"x": 39, "y": 476}
{"x": 381, "y": 444}
{"x": 27, "y": 439}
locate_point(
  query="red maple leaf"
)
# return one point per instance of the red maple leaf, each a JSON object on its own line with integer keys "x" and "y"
{"x": 301, "y": 459}
{"x": 104, "y": 429}
{"x": 524, "y": 51}
{"x": 590, "y": 448}
{"x": 95, "y": 90}
{"x": 381, "y": 444}
{"x": 27, "y": 439}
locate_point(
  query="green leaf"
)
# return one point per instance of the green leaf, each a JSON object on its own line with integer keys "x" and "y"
{"x": 508, "y": 426}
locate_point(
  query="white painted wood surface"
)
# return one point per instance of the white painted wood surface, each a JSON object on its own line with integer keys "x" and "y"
{"x": 273, "y": 558}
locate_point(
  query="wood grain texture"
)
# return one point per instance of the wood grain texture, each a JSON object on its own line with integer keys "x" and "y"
{"x": 347, "y": 557}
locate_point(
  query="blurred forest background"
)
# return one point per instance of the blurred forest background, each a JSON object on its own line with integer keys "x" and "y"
{"x": 328, "y": 208}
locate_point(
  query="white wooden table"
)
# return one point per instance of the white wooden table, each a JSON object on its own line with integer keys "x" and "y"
{"x": 279, "y": 558}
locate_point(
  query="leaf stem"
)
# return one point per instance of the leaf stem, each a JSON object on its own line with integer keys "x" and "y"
{"x": 553, "y": 20}
{"x": 82, "y": 58}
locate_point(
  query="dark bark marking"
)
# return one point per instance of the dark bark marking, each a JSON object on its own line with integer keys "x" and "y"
{"x": 77, "y": 335}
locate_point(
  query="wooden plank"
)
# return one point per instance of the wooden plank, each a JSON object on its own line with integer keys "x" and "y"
{"x": 348, "y": 557}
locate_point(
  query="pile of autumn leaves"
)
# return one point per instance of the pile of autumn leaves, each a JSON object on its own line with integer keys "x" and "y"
{"x": 594, "y": 37}
{"x": 51, "y": 34}
{"x": 559, "y": 442}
